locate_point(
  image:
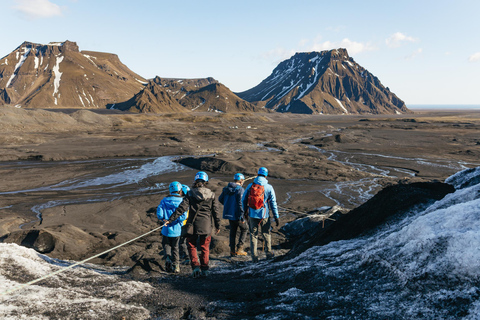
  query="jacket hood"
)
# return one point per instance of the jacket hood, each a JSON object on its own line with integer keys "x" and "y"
{"x": 261, "y": 180}
{"x": 171, "y": 202}
{"x": 201, "y": 194}
{"x": 232, "y": 186}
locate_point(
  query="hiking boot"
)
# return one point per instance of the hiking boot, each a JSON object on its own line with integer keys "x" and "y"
{"x": 233, "y": 253}
{"x": 270, "y": 255}
{"x": 176, "y": 268}
{"x": 196, "y": 272}
{"x": 240, "y": 252}
{"x": 254, "y": 259}
{"x": 168, "y": 265}
{"x": 204, "y": 273}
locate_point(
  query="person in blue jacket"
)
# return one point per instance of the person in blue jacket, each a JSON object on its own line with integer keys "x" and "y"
{"x": 231, "y": 198}
{"x": 172, "y": 231}
{"x": 258, "y": 199}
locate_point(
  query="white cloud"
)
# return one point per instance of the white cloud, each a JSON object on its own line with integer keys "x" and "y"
{"x": 414, "y": 54}
{"x": 352, "y": 47}
{"x": 277, "y": 55}
{"x": 474, "y": 57}
{"x": 398, "y": 39}
{"x": 34, "y": 9}
{"x": 305, "y": 45}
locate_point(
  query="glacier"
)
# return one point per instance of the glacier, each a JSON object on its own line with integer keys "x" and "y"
{"x": 421, "y": 265}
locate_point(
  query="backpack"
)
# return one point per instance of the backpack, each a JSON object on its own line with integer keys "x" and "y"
{"x": 256, "y": 196}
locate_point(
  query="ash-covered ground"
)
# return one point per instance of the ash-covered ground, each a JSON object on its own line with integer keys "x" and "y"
{"x": 74, "y": 191}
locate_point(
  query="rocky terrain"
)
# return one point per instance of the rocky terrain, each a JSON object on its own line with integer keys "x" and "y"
{"x": 77, "y": 182}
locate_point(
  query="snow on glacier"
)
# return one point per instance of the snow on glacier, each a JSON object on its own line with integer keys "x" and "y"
{"x": 91, "y": 294}
{"x": 423, "y": 265}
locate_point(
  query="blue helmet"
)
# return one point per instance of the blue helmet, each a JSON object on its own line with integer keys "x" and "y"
{"x": 175, "y": 187}
{"x": 201, "y": 176}
{"x": 238, "y": 177}
{"x": 263, "y": 171}
{"x": 185, "y": 188}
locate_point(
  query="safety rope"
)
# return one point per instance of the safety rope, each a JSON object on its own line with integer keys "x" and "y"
{"x": 324, "y": 217}
{"x": 76, "y": 264}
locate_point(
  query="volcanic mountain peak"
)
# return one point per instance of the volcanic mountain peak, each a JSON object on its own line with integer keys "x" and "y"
{"x": 324, "y": 82}
{"x": 174, "y": 95}
{"x": 59, "y": 74}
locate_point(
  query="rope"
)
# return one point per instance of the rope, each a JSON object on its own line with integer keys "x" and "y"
{"x": 75, "y": 264}
{"x": 324, "y": 217}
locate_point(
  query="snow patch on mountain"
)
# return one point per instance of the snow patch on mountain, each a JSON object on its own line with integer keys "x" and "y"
{"x": 58, "y": 76}
{"x": 26, "y": 51}
{"x": 341, "y": 105}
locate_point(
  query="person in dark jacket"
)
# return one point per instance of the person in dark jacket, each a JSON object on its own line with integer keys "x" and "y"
{"x": 231, "y": 198}
{"x": 202, "y": 211}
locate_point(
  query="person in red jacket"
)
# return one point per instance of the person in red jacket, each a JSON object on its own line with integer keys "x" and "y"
{"x": 202, "y": 209}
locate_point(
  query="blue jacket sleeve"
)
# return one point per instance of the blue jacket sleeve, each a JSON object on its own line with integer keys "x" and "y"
{"x": 272, "y": 203}
{"x": 239, "y": 203}
{"x": 222, "y": 196}
{"x": 245, "y": 200}
{"x": 160, "y": 211}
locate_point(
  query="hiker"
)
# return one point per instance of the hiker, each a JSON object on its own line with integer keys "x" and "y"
{"x": 231, "y": 198}
{"x": 171, "y": 232}
{"x": 183, "y": 239}
{"x": 202, "y": 207}
{"x": 258, "y": 199}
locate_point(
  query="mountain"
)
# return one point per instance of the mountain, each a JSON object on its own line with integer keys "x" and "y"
{"x": 59, "y": 75}
{"x": 180, "y": 95}
{"x": 328, "y": 82}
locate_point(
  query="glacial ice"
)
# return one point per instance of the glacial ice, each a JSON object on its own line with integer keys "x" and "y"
{"x": 422, "y": 266}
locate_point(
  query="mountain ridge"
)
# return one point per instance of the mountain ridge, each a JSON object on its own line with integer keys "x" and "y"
{"x": 324, "y": 82}
{"x": 60, "y": 75}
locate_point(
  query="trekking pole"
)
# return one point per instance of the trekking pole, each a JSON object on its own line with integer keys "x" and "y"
{"x": 76, "y": 264}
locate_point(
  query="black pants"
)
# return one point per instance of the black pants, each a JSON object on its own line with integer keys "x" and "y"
{"x": 170, "y": 247}
{"x": 234, "y": 225}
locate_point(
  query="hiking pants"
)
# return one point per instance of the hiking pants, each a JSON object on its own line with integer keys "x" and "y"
{"x": 259, "y": 226}
{"x": 183, "y": 248}
{"x": 234, "y": 226}
{"x": 170, "y": 248}
{"x": 204, "y": 243}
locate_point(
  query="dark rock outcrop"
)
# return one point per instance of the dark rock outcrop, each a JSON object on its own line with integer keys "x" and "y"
{"x": 40, "y": 240}
{"x": 181, "y": 95}
{"x": 386, "y": 204}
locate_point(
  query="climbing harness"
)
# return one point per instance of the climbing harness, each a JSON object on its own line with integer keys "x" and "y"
{"x": 75, "y": 264}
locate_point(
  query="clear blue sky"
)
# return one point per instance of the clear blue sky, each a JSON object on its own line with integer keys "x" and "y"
{"x": 426, "y": 52}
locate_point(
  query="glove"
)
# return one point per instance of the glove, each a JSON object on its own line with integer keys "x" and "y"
{"x": 277, "y": 223}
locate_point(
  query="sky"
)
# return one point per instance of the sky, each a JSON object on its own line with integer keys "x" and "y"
{"x": 426, "y": 52}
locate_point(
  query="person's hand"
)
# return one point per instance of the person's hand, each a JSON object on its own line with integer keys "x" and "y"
{"x": 218, "y": 231}
{"x": 165, "y": 222}
{"x": 277, "y": 222}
